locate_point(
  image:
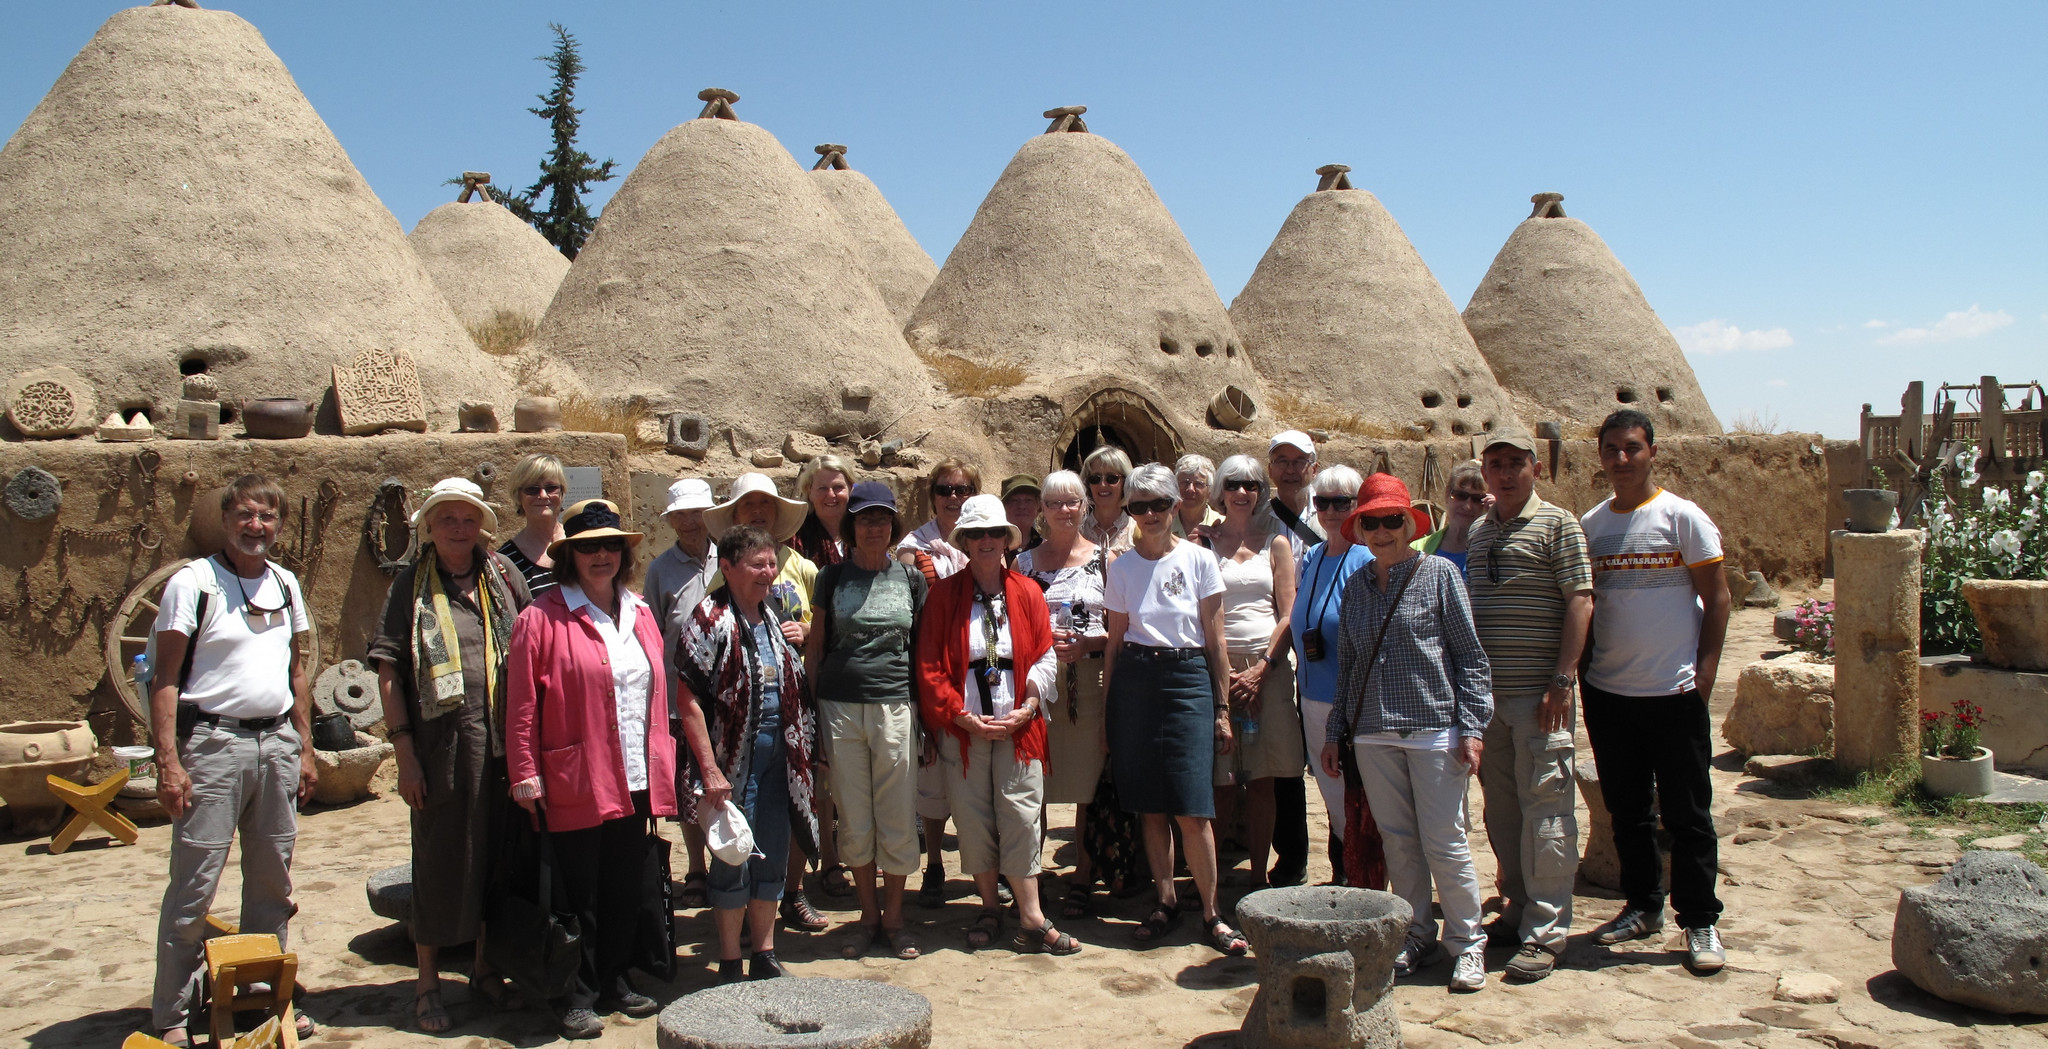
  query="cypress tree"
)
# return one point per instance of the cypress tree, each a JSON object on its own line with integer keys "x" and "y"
{"x": 567, "y": 172}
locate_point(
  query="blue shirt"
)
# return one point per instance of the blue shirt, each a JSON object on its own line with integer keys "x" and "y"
{"x": 1457, "y": 558}
{"x": 771, "y": 676}
{"x": 1318, "y": 600}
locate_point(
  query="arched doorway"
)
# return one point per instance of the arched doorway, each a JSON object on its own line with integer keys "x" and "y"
{"x": 1120, "y": 417}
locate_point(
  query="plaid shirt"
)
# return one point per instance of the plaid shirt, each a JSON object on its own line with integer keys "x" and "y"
{"x": 1431, "y": 674}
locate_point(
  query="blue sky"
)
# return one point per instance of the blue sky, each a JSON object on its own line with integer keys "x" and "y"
{"x": 1825, "y": 201}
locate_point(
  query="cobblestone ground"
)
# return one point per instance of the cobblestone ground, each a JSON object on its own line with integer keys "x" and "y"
{"x": 1810, "y": 889}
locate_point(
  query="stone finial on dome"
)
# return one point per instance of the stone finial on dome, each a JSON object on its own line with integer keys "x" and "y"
{"x": 1334, "y": 177}
{"x": 831, "y": 155}
{"x": 475, "y": 184}
{"x": 1548, "y": 206}
{"x": 718, "y": 103}
{"x": 1066, "y": 118}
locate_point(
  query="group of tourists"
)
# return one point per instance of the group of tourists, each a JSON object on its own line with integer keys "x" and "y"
{"x": 806, "y": 678}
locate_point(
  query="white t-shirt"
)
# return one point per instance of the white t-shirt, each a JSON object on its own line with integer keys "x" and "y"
{"x": 945, "y": 558}
{"x": 1646, "y": 614}
{"x": 1163, "y": 598}
{"x": 632, "y": 675}
{"x": 242, "y": 667}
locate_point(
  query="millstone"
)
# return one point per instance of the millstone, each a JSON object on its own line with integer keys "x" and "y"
{"x": 34, "y": 494}
{"x": 390, "y": 892}
{"x": 793, "y": 1012}
{"x": 349, "y": 688}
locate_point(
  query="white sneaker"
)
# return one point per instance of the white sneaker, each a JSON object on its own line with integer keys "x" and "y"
{"x": 1468, "y": 973}
{"x": 1703, "y": 950}
{"x": 1415, "y": 953}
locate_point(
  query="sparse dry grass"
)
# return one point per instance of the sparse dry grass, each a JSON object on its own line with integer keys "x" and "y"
{"x": 1755, "y": 423}
{"x": 595, "y": 415}
{"x": 504, "y": 333}
{"x": 965, "y": 378}
{"x": 1304, "y": 414}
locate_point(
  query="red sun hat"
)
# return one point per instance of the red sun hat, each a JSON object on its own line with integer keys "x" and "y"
{"x": 1379, "y": 496}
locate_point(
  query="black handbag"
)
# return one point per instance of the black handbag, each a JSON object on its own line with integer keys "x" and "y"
{"x": 533, "y": 942}
{"x": 654, "y": 939}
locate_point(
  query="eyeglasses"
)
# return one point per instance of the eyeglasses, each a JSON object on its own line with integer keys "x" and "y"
{"x": 975, "y": 535}
{"x": 1240, "y": 486}
{"x": 1150, "y": 506}
{"x": 266, "y": 517}
{"x": 1103, "y": 479}
{"x": 1391, "y": 522}
{"x": 609, "y": 544}
{"x": 1335, "y": 502}
{"x": 1469, "y": 497}
{"x": 537, "y": 490}
{"x": 1061, "y": 504}
{"x": 952, "y": 491}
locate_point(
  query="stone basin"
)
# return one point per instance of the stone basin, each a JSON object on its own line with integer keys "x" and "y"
{"x": 1326, "y": 961}
{"x": 345, "y": 774}
{"x": 816, "y": 1013}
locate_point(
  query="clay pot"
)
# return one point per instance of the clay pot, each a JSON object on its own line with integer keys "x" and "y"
{"x": 1870, "y": 509}
{"x": 2012, "y": 616}
{"x": 276, "y": 418}
{"x": 1233, "y": 408}
{"x": 537, "y": 414}
{"x": 1957, "y": 777}
{"x": 31, "y": 751}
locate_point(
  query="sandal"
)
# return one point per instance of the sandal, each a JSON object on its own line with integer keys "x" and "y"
{"x": 1045, "y": 940}
{"x": 986, "y": 925}
{"x": 836, "y": 880}
{"x": 1228, "y": 940}
{"x": 500, "y": 992}
{"x": 1161, "y": 922}
{"x": 867, "y": 936}
{"x": 932, "y": 893}
{"x": 696, "y": 890}
{"x": 798, "y": 913}
{"x": 1080, "y": 901}
{"x": 902, "y": 945}
{"x": 427, "y": 1014}
{"x": 303, "y": 1025}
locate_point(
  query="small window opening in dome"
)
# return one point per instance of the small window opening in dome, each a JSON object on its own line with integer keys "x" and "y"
{"x": 227, "y": 412}
{"x": 1664, "y": 395}
{"x": 1487, "y": 426}
{"x": 1431, "y": 399}
{"x": 1459, "y": 429}
{"x": 1230, "y": 349}
{"x": 1625, "y": 395}
{"x": 1204, "y": 349}
{"x": 1464, "y": 400}
{"x": 192, "y": 366}
{"x": 1169, "y": 346}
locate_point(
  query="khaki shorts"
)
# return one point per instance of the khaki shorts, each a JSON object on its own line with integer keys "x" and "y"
{"x": 1278, "y": 750}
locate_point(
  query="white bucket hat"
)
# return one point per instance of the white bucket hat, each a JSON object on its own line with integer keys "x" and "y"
{"x": 983, "y": 511}
{"x": 455, "y": 490}
{"x": 726, "y": 832}
{"x": 789, "y": 513}
{"x": 690, "y": 493}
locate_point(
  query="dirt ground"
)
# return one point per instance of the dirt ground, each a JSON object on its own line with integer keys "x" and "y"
{"x": 1810, "y": 887}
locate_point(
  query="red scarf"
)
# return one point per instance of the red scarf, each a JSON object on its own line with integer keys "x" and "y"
{"x": 942, "y": 653}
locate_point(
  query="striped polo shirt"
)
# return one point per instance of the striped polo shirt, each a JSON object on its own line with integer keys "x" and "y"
{"x": 1520, "y": 572}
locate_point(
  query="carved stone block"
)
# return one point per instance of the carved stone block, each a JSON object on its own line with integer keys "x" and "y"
{"x": 51, "y": 402}
{"x": 196, "y": 421}
{"x": 136, "y": 428}
{"x": 687, "y": 433}
{"x": 476, "y": 417}
{"x": 378, "y": 391}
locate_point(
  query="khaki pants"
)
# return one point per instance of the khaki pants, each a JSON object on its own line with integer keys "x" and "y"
{"x": 242, "y": 781}
{"x": 1526, "y": 779}
{"x": 873, "y": 749}
{"x": 996, "y": 799}
{"x": 1418, "y": 799}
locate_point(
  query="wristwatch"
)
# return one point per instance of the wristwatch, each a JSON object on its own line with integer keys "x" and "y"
{"x": 1563, "y": 681}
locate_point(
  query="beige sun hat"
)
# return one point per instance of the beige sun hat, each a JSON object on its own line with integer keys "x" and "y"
{"x": 789, "y": 513}
{"x": 455, "y": 490}
{"x": 983, "y": 511}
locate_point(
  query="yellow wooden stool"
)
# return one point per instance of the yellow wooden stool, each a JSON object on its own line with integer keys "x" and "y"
{"x": 233, "y": 965}
{"x": 91, "y": 805}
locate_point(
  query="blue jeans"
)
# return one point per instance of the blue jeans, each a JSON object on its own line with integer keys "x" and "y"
{"x": 764, "y": 797}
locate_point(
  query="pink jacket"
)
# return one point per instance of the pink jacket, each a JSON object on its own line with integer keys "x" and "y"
{"x": 559, "y": 666}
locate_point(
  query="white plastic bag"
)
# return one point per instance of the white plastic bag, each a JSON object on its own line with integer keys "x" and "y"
{"x": 726, "y": 832}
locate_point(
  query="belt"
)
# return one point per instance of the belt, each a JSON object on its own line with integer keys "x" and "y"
{"x": 251, "y": 724}
{"x": 1134, "y": 650}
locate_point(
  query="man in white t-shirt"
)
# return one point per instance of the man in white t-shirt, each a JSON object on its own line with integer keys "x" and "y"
{"x": 230, "y": 713}
{"x": 1660, "y": 613}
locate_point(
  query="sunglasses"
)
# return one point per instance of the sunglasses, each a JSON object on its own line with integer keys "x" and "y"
{"x": 1240, "y": 486}
{"x": 1150, "y": 506}
{"x": 1391, "y": 522}
{"x": 538, "y": 490}
{"x": 1469, "y": 497}
{"x": 952, "y": 491}
{"x": 1335, "y": 502}
{"x": 974, "y": 535}
{"x": 1102, "y": 479}
{"x": 609, "y": 544}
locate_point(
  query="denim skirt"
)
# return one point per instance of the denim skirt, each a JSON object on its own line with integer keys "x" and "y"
{"x": 1162, "y": 731}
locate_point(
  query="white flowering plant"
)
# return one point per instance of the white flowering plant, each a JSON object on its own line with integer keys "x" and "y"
{"x": 2001, "y": 533}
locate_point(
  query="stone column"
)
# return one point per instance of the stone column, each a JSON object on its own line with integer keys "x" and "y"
{"x": 1877, "y": 648}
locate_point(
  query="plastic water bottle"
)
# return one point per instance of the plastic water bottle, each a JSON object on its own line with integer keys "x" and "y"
{"x": 1250, "y": 730}
{"x": 142, "y": 674}
{"x": 1063, "y": 618}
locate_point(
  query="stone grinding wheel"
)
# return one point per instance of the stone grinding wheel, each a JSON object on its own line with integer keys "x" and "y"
{"x": 34, "y": 493}
{"x": 349, "y": 688}
{"x": 814, "y": 1013}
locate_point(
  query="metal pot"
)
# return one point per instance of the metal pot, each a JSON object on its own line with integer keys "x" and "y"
{"x": 276, "y": 418}
{"x": 1870, "y": 509}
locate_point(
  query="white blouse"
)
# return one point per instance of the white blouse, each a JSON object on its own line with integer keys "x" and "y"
{"x": 1003, "y": 695}
{"x": 632, "y": 676}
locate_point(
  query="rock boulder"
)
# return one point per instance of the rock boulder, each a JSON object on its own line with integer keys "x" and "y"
{"x": 1979, "y": 936}
{"x": 1783, "y": 706}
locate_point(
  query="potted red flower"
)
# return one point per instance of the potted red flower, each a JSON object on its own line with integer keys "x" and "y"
{"x": 1951, "y": 762}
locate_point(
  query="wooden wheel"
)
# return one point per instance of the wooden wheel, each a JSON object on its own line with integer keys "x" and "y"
{"x": 129, "y": 630}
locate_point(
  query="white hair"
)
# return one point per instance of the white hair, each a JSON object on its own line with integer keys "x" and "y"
{"x": 1337, "y": 480}
{"x": 1192, "y": 465}
{"x": 1064, "y": 483}
{"x": 1151, "y": 481}
{"x": 1110, "y": 457}
{"x": 1239, "y": 468}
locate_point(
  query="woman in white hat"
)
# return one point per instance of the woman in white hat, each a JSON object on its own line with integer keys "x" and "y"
{"x": 440, "y": 652}
{"x": 985, "y": 669}
{"x": 590, "y": 752}
{"x": 676, "y": 583}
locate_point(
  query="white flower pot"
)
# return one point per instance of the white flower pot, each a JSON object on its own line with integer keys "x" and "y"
{"x": 1957, "y": 777}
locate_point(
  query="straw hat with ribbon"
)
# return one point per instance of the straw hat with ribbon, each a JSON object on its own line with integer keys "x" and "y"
{"x": 1383, "y": 495}
{"x": 591, "y": 519}
{"x": 789, "y": 513}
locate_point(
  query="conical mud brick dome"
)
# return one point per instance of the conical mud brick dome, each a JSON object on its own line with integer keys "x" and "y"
{"x": 719, "y": 280}
{"x": 1074, "y": 270}
{"x": 175, "y": 202}
{"x": 896, "y": 263}
{"x": 1571, "y": 337}
{"x": 1343, "y": 312}
{"x": 486, "y": 261}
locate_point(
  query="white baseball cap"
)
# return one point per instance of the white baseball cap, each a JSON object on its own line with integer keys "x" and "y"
{"x": 1292, "y": 437}
{"x": 690, "y": 493}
